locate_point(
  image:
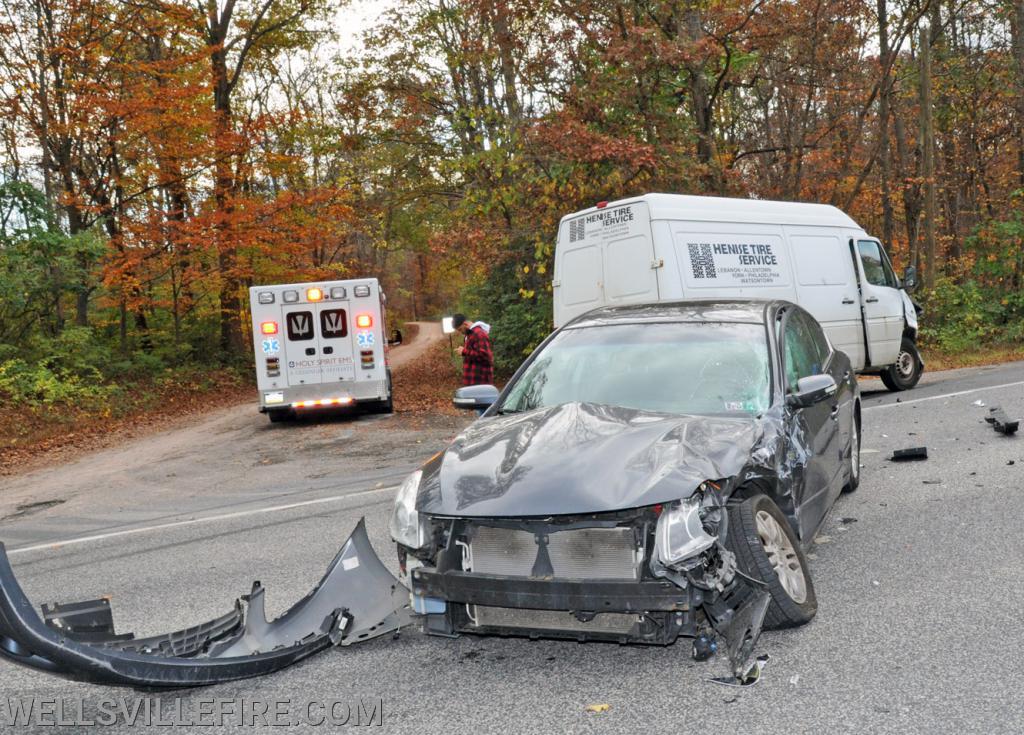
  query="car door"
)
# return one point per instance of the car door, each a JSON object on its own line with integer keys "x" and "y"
{"x": 814, "y": 437}
{"x": 882, "y": 302}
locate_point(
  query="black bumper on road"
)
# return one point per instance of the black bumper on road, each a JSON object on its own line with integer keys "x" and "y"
{"x": 356, "y": 600}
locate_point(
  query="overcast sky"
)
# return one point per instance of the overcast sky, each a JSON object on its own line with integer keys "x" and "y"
{"x": 356, "y": 17}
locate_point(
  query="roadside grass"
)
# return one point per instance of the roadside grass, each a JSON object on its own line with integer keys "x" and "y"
{"x": 135, "y": 407}
{"x": 936, "y": 359}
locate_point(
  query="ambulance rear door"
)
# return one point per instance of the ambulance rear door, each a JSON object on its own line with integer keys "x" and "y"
{"x": 301, "y": 344}
{"x": 336, "y": 357}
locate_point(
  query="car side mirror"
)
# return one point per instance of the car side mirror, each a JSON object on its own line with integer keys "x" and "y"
{"x": 910, "y": 279}
{"x": 475, "y": 396}
{"x": 811, "y": 390}
{"x": 396, "y": 339}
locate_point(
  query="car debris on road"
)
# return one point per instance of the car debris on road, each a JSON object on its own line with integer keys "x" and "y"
{"x": 356, "y": 600}
{"x": 1000, "y": 422}
{"x": 910, "y": 455}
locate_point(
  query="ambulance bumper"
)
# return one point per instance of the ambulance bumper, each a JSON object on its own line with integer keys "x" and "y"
{"x": 351, "y": 391}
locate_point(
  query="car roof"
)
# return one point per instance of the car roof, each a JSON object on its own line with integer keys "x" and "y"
{"x": 740, "y": 311}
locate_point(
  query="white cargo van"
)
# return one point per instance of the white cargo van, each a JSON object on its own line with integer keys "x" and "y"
{"x": 320, "y": 345}
{"x": 664, "y": 247}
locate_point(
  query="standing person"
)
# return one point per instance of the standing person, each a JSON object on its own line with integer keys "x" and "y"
{"x": 477, "y": 358}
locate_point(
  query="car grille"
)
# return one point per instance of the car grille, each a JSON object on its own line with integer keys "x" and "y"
{"x": 585, "y": 553}
{"x": 503, "y": 617}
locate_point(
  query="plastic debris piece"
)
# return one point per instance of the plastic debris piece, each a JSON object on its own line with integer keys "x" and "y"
{"x": 748, "y": 678}
{"x": 910, "y": 455}
{"x": 1000, "y": 422}
{"x": 598, "y": 708}
{"x": 979, "y": 403}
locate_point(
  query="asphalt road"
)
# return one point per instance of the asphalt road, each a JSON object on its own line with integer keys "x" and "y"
{"x": 918, "y": 576}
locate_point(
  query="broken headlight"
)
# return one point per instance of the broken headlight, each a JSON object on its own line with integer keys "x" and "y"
{"x": 406, "y": 526}
{"x": 680, "y": 533}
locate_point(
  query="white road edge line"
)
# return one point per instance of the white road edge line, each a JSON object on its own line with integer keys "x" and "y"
{"x": 194, "y": 521}
{"x": 944, "y": 395}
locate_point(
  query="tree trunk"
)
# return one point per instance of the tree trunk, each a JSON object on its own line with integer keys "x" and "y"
{"x": 884, "y": 157}
{"x": 231, "y": 339}
{"x": 1017, "y": 35}
{"x": 928, "y": 157}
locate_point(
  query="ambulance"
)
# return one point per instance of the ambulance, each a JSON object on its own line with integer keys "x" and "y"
{"x": 321, "y": 345}
{"x": 666, "y": 247}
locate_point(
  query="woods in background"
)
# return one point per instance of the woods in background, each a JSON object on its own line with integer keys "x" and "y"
{"x": 159, "y": 157}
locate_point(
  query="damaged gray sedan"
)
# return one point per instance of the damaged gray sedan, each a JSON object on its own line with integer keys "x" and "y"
{"x": 651, "y": 472}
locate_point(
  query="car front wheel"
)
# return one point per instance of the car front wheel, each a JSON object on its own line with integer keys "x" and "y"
{"x": 854, "y": 482}
{"x": 767, "y": 550}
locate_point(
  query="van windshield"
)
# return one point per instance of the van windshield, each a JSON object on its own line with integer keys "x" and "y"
{"x": 679, "y": 368}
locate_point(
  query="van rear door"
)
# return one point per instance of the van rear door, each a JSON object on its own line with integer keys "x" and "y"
{"x": 604, "y": 257}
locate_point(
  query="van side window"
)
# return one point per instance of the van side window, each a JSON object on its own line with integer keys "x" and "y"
{"x": 877, "y": 270}
{"x": 801, "y": 350}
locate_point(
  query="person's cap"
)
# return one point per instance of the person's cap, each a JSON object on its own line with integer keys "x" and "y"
{"x": 458, "y": 320}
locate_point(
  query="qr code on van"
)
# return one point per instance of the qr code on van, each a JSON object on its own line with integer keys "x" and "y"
{"x": 577, "y": 230}
{"x": 702, "y": 262}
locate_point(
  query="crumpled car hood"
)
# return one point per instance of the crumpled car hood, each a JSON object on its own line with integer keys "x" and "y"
{"x": 580, "y": 458}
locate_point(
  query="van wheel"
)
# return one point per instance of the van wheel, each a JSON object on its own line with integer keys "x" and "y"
{"x": 767, "y": 550}
{"x": 906, "y": 371}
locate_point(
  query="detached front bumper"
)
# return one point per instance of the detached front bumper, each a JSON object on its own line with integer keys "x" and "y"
{"x": 357, "y": 599}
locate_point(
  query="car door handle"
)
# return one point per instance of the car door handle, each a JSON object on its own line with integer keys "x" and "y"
{"x": 871, "y": 299}
{"x": 835, "y": 412}
{"x": 848, "y": 300}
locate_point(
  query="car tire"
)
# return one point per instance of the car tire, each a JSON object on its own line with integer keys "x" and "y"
{"x": 767, "y": 550}
{"x": 854, "y": 482}
{"x": 905, "y": 373}
{"x": 277, "y": 416}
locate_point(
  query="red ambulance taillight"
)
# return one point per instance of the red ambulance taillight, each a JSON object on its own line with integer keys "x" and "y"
{"x": 268, "y": 327}
{"x": 364, "y": 321}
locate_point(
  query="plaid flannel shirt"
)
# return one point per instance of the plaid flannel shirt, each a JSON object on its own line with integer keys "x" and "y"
{"x": 477, "y": 358}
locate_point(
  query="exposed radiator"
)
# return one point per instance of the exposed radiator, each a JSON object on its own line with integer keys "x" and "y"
{"x": 587, "y": 553}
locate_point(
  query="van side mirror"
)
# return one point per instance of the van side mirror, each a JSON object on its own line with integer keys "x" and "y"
{"x": 396, "y": 338}
{"x": 910, "y": 278}
{"x": 812, "y": 390}
{"x": 476, "y": 397}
